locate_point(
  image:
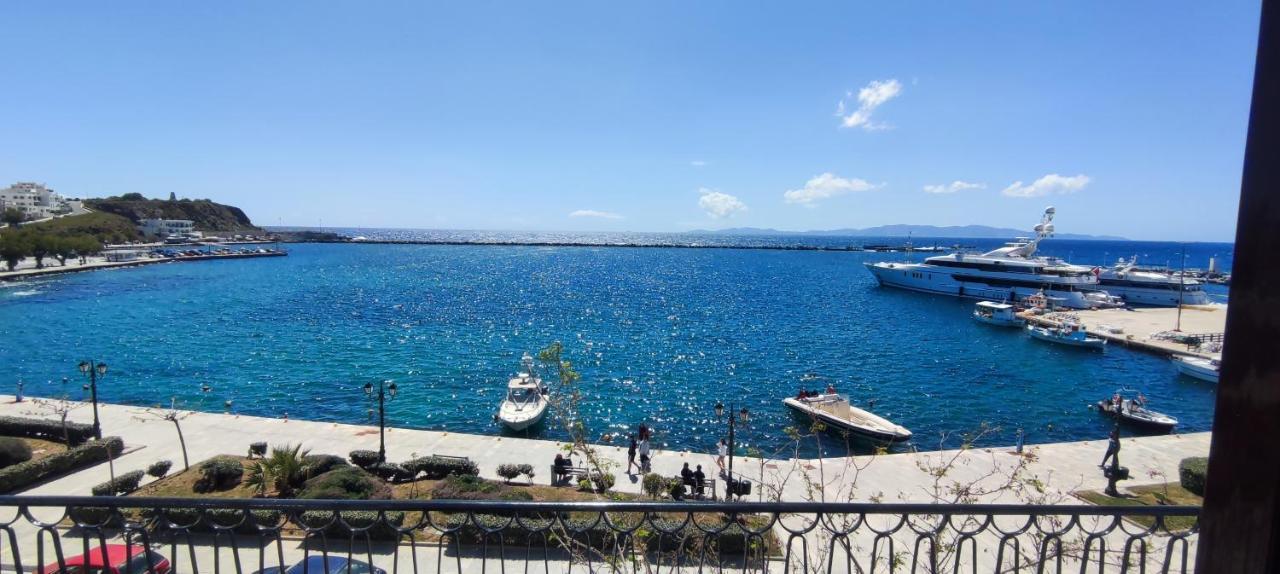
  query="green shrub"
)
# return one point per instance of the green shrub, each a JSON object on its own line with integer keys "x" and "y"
{"x": 364, "y": 458}
{"x": 13, "y": 451}
{"x": 602, "y": 482}
{"x": 465, "y": 487}
{"x": 257, "y": 449}
{"x": 96, "y": 516}
{"x": 318, "y": 464}
{"x": 509, "y": 472}
{"x": 344, "y": 483}
{"x": 437, "y": 467}
{"x": 211, "y": 519}
{"x": 1192, "y": 473}
{"x": 390, "y": 472}
{"x": 159, "y": 468}
{"x": 654, "y": 485}
{"x": 24, "y": 474}
{"x": 219, "y": 473}
{"x": 45, "y": 429}
{"x": 123, "y": 484}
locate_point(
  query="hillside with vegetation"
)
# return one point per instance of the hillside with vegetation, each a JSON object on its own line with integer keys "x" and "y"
{"x": 206, "y": 215}
{"x": 63, "y": 238}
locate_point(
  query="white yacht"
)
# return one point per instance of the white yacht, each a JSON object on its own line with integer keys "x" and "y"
{"x": 1137, "y": 286}
{"x": 1197, "y": 367}
{"x": 526, "y": 400}
{"x": 1009, "y": 273}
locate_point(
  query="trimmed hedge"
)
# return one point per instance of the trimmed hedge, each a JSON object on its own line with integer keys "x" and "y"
{"x": 159, "y": 468}
{"x": 218, "y": 473}
{"x": 318, "y": 464}
{"x": 364, "y": 458}
{"x": 123, "y": 484}
{"x": 211, "y": 518}
{"x": 257, "y": 449}
{"x": 437, "y": 467}
{"x": 510, "y": 471}
{"x": 27, "y": 473}
{"x": 344, "y": 483}
{"x": 379, "y": 528}
{"x": 13, "y": 451}
{"x": 45, "y": 429}
{"x": 1192, "y": 472}
{"x": 689, "y": 538}
{"x": 390, "y": 472}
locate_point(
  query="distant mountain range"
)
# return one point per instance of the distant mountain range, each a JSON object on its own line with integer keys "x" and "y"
{"x": 902, "y": 230}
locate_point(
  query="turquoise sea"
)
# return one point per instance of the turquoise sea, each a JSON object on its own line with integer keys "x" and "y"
{"x": 658, "y": 334}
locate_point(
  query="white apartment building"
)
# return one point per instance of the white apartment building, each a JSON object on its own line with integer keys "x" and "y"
{"x": 166, "y": 228}
{"x": 33, "y": 199}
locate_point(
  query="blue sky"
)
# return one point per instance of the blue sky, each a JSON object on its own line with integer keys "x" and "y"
{"x": 1130, "y": 117}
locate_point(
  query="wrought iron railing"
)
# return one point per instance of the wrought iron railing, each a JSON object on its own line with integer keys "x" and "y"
{"x": 51, "y": 534}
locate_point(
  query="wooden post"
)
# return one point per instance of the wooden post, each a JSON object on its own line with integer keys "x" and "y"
{"x": 1240, "y": 524}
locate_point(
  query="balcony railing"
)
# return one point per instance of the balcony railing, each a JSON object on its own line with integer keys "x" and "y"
{"x": 50, "y": 534}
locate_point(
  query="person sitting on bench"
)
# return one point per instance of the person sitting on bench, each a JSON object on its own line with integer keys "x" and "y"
{"x": 699, "y": 481}
{"x": 686, "y": 475}
{"x": 561, "y": 466}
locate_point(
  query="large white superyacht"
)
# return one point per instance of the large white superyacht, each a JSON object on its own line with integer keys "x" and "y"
{"x": 1009, "y": 273}
{"x": 1138, "y": 286}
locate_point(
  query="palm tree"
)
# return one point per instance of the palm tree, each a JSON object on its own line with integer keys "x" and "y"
{"x": 283, "y": 470}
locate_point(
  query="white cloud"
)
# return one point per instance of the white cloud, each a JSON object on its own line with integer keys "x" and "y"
{"x": 1048, "y": 185}
{"x": 718, "y": 204}
{"x": 697, "y": 163}
{"x": 825, "y": 186}
{"x": 953, "y": 187}
{"x": 869, "y": 98}
{"x": 594, "y": 213}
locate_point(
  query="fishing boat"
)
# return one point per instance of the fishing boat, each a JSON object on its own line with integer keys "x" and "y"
{"x": 1068, "y": 333}
{"x": 834, "y": 410}
{"x": 1197, "y": 367}
{"x": 1136, "y": 413}
{"x": 999, "y": 314}
{"x": 526, "y": 400}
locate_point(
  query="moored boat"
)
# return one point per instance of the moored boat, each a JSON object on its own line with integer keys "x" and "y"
{"x": 526, "y": 399}
{"x": 1197, "y": 367}
{"x": 999, "y": 314}
{"x": 835, "y": 411}
{"x": 1136, "y": 413}
{"x": 1069, "y": 333}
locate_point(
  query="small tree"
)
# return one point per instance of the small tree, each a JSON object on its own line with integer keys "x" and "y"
{"x": 12, "y": 217}
{"x": 14, "y": 247}
{"x": 175, "y": 416}
{"x": 59, "y": 407}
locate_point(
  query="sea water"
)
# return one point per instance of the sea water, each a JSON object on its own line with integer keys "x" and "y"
{"x": 659, "y": 335}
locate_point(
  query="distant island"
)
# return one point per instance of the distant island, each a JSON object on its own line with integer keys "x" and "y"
{"x": 904, "y": 230}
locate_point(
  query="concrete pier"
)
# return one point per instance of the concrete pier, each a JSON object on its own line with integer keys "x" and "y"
{"x": 1137, "y": 326}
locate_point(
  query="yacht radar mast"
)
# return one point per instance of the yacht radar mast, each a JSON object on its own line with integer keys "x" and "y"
{"x": 1026, "y": 249}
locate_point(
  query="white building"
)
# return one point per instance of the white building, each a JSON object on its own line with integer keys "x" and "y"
{"x": 166, "y": 228}
{"x": 33, "y": 199}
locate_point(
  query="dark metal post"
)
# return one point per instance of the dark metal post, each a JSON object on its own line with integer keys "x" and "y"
{"x": 93, "y": 396}
{"x": 732, "y": 416}
{"x": 1240, "y": 524}
{"x": 382, "y": 424}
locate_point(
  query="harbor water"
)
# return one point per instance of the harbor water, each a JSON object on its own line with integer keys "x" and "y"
{"x": 660, "y": 335}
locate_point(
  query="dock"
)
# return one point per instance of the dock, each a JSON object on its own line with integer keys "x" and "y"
{"x": 72, "y": 267}
{"x": 1141, "y": 328}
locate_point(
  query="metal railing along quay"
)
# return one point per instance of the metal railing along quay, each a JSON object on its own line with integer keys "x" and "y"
{"x": 52, "y": 534}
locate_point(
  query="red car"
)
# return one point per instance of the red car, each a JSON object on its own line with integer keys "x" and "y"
{"x": 121, "y": 559}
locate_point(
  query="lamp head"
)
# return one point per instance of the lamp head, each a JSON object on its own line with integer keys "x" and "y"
{"x": 84, "y": 367}
{"x": 719, "y": 409}
{"x": 368, "y": 388}
{"x": 102, "y": 368}
{"x": 744, "y": 415}
{"x": 392, "y": 389}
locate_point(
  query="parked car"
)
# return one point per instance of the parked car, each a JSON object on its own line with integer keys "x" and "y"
{"x": 121, "y": 559}
{"x": 316, "y": 565}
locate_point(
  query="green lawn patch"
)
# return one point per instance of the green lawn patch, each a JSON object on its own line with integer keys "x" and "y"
{"x": 1168, "y": 494}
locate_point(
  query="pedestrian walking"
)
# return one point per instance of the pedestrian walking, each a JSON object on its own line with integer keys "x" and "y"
{"x": 643, "y": 447}
{"x": 1113, "y": 448}
{"x": 722, "y": 450}
{"x": 631, "y": 454}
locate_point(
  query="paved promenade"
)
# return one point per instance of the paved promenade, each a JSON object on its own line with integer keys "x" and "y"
{"x": 1059, "y": 468}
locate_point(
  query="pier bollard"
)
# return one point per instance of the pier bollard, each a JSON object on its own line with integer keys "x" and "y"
{"x": 1020, "y": 438}
{"x": 18, "y": 398}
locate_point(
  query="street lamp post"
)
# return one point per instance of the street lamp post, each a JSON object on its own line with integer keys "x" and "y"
{"x": 94, "y": 369}
{"x": 742, "y": 416}
{"x": 383, "y": 390}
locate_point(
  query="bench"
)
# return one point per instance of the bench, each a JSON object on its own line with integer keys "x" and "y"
{"x": 708, "y": 486}
{"x": 568, "y": 472}
{"x": 447, "y": 457}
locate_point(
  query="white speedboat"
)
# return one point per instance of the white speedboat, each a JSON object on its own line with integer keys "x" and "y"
{"x": 1138, "y": 286}
{"x": 835, "y": 411}
{"x": 1136, "y": 413}
{"x": 1009, "y": 273}
{"x": 999, "y": 314}
{"x": 1068, "y": 333}
{"x": 1197, "y": 367}
{"x": 526, "y": 400}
